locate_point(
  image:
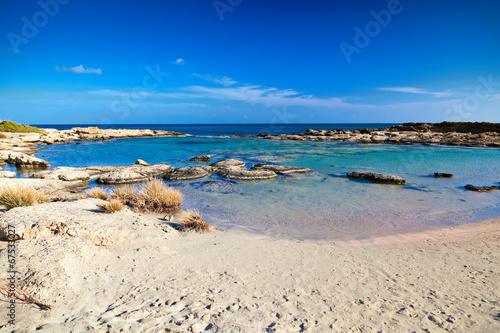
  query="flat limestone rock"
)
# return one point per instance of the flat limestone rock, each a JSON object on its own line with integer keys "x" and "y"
{"x": 237, "y": 173}
{"x": 281, "y": 169}
{"x": 7, "y": 174}
{"x": 64, "y": 173}
{"x": 377, "y": 178}
{"x": 201, "y": 158}
{"x": 228, "y": 163}
{"x": 482, "y": 188}
{"x": 134, "y": 174}
{"x": 26, "y": 161}
{"x": 189, "y": 173}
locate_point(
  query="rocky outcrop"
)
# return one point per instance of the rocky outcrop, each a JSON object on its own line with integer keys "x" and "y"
{"x": 141, "y": 162}
{"x": 189, "y": 173}
{"x": 280, "y": 169}
{"x": 227, "y": 164}
{"x": 482, "y": 188}
{"x": 26, "y": 161}
{"x": 442, "y": 175}
{"x": 238, "y": 173}
{"x": 133, "y": 174}
{"x": 377, "y": 178}
{"x": 201, "y": 158}
{"x": 454, "y": 134}
{"x": 64, "y": 173}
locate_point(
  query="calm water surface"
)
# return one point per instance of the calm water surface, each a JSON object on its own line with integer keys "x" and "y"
{"x": 323, "y": 205}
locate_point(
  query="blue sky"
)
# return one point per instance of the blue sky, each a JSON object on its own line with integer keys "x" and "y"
{"x": 249, "y": 61}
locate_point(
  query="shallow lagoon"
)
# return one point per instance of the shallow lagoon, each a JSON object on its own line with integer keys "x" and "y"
{"x": 325, "y": 204}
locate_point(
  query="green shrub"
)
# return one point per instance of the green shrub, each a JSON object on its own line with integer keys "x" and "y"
{"x": 9, "y": 126}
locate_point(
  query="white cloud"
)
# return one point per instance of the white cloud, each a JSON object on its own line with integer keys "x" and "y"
{"x": 413, "y": 90}
{"x": 179, "y": 62}
{"x": 79, "y": 70}
{"x": 222, "y": 80}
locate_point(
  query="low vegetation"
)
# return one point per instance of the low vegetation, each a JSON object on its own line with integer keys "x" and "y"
{"x": 192, "y": 221}
{"x": 96, "y": 193}
{"x": 112, "y": 206}
{"x": 3, "y": 136}
{"x": 125, "y": 194}
{"x": 156, "y": 197}
{"x": 21, "y": 196}
{"x": 9, "y": 126}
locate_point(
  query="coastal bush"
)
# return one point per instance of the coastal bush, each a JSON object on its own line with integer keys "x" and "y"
{"x": 125, "y": 194}
{"x": 9, "y": 126}
{"x": 96, "y": 193}
{"x": 3, "y": 136}
{"x": 192, "y": 221}
{"x": 20, "y": 196}
{"x": 156, "y": 197}
{"x": 112, "y": 206}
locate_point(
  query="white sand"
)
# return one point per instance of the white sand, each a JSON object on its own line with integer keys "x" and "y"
{"x": 228, "y": 281}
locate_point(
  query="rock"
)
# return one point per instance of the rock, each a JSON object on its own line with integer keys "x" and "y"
{"x": 134, "y": 174}
{"x": 442, "y": 175}
{"x": 201, "y": 158}
{"x": 141, "y": 162}
{"x": 7, "y": 174}
{"x": 189, "y": 173}
{"x": 228, "y": 163}
{"x": 280, "y": 169}
{"x": 217, "y": 187}
{"x": 64, "y": 173}
{"x": 482, "y": 188}
{"x": 26, "y": 161}
{"x": 238, "y": 173}
{"x": 377, "y": 178}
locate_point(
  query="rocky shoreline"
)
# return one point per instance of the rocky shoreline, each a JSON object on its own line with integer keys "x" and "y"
{"x": 450, "y": 134}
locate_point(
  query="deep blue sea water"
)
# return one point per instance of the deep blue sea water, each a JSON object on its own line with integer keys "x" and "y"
{"x": 322, "y": 205}
{"x": 232, "y": 129}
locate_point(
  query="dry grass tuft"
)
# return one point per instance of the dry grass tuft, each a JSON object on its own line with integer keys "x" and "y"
{"x": 112, "y": 206}
{"x": 156, "y": 197}
{"x": 96, "y": 193}
{"x": 192, "y": 221}
{"x": 125, "y": 194}
{"x": 21, "y": 196}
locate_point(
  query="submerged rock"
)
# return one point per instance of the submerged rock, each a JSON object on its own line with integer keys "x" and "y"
{"x": 63, "y": 173}
{"x": 134, "y": 174}
{"x": 442, "y": 175}
{"x": 482, "y": 188}
{"x": 238, "y": 173}
{"x": 377, "y": 178}
{"x": 189, "y": 173}
{"x": 280, "y": 169}
{"x": 217, "y": 187}
{"x": 201, "y": 158}
{"x": 228, "y": 163}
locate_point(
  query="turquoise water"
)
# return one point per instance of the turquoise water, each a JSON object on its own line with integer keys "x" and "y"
{"x": 322, "y": 205}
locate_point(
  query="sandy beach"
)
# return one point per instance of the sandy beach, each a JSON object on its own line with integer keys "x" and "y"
{"x": 130, "y": 272}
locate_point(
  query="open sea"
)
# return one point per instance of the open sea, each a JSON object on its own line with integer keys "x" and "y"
{"x": 324, "y": 205}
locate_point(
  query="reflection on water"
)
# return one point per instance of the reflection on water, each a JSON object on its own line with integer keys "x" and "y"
{"x": 322, "y": 205}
